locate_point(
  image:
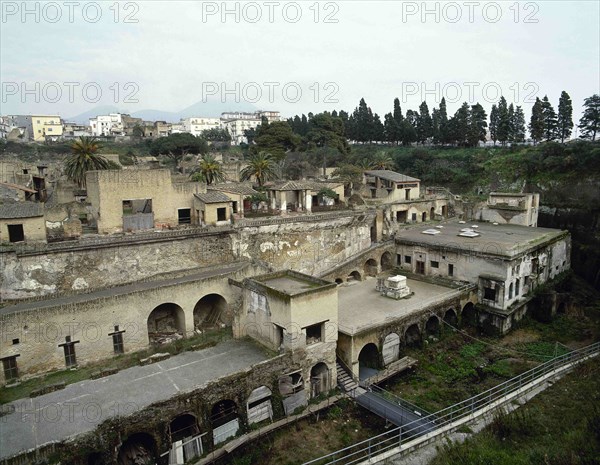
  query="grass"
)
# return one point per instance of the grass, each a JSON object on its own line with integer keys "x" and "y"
{"x": 120, "y": 362}
{"x": 560, "y": 426}
{"x": 340, "y": 426}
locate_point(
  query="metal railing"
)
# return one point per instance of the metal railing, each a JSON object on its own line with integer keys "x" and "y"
{"x": 447, "y": 418}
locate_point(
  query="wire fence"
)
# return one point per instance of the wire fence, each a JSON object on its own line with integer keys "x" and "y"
{"x": 446, "y": 419}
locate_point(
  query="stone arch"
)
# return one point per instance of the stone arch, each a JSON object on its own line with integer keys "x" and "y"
{"x": 319, "y": 379}
{"x": 138, "y": 448}
{"x": 368, "y": 361}
{"x": 412, "y": 336}
{"x": 182, "y": 427}
{"x": 391, "y": 348}
{"x": 208, "y": 310}
{"x": 387, "y": 262}
{"x": 339, "y": 281}
{"x": 166, "y": 323}
{"x": 370, "y": 267}
{"x": 432, "y": 327}
{"x": 259, "y": 406}
{"x": 469, "y": 315}
{"x": 450, "y": 317}
{"x": 224, "y": 420}
{"x": 432, "y": 213}
{"x": 354, "y": 276}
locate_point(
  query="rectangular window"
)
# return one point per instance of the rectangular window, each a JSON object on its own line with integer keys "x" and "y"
{"x": 489, "y": 293}
{"x": 414, "y": 217}
{"x": 450, "y": 269}
{"x": 11, "y": 371}
{"x": 70, "y": 357}
{"x": 314, "y": 333}
{"x": 117, "y": 338}
{"x": 407, "y": 194}
{"x": 435, "y": 264}
{"x": 15, "y": 233}
{"x": 407, "y": 259}
{"x": 235, "y": 207}
{"x": 221, "y": 214}
{"x": 184, "y": 215}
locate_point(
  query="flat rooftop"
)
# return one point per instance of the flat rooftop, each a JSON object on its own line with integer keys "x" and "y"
{"x": 504, "y": 240}
{"x": 81, "y": 407}
{"x": 361, "y": 307}
{"x": 291, "y": 283}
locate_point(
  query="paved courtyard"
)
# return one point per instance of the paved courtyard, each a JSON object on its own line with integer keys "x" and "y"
{"x": 361, "y": 306}
{"x": 80, "y": 407}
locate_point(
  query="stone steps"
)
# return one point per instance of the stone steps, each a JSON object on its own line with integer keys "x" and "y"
{"x": 345, "y": 381}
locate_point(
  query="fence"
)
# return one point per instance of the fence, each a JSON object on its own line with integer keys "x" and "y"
{"x": 391, "y": 442}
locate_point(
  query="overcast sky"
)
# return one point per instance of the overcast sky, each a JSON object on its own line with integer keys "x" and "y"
{"x": 175, "y": 54}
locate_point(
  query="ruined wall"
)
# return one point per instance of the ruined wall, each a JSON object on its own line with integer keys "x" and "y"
{"x": 92, "y": 268}
{"x": 307, "y": 247}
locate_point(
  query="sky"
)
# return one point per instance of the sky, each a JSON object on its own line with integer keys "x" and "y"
{"x": 296, "y": 57}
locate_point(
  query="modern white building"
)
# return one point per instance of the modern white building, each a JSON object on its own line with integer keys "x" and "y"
{"x": 107, "y": 125}
{"x": 198, "y": 124}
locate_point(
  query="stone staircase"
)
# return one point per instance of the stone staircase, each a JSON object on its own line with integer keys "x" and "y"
{"x": 344, "y": 380}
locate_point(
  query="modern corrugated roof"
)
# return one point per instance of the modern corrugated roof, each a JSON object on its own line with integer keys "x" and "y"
{"x": 10, "y": 209}
{"x": 303, "y": 185}
{"x": 391, "y": 176}
{"x": 213, "y": 197}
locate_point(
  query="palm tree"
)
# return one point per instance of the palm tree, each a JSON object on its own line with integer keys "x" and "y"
{"x": 209, "y": 171}
{"x": 261, "y": 166}
{"x": 84, "y": 158}
{"x": 382, "y": 161}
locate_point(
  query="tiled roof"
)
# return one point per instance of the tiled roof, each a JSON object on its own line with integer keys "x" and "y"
{"x": 391, "y": 176}
{"x": 10, "y": 210}
{"x": 213, "y": 197}
{"x": 234, "y": 188}
{"x": 303, "y": 185}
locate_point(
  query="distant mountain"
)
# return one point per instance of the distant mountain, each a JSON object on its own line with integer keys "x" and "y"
{"x": 212, "y": 108}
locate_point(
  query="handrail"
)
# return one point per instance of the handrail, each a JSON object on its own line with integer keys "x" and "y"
{"x": 346, "y": 368}
{"x": 474, "y": 405}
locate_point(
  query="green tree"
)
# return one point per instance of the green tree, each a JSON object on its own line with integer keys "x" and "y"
{"x": 494, "y": 124}
{"x": 177, "y": 146}
{"x": 363, "y": 119}
{"x": 518, "y": 126}
{"x": 408, "y": 128}
{"x": 550, "y": 120}
{"x": 565, "y": 117}
{"x": 84, "y": 158}
{"x": 325, "y": 130}
{"x": 424, "y": 124}
{"x": 216, "y": 135}
{"x": 349, "y": 175}
{"x": 590, "y": 121}
{"x": 275, "y": 138}
{"x": 536, "y": 123}
{"x": 261, "y": 166}
{"x": 443, "y": 122}
{"x": 382, "y": 161}
{"x": 209, "y": 171}
{"x": 477, "y": 125}
{"x": 460, "y": 124}
{"x": 503, "y": 132}
{"x": 377, "y": 129}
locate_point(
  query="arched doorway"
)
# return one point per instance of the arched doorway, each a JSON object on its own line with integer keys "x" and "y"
{"x": 370, "y": 267}
{"x": 339, "y": 281}
{"x": 185, "y": 441}
{"x": 386, "y": 261}
{"x": 450, "y": 317}
{"x": 354, "y": 276}
{"x": 412, "y": 337}
{"x": 432, "y": 327}
{"x": 319, "y": 379}
{"x": 138, "y": 449}
{"x": 391, "y": 348}
{"x": 424, "y": 217}
{"x": 469, "y": 315}
{"x": 224, "y": 420}
{"x": 432, "y": 213}
{"x": 166, "y": 323}
{"x": 368, "y": 361}
{"x": 208, "y": 310}
{"x": 259, "y": 406}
